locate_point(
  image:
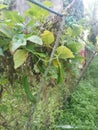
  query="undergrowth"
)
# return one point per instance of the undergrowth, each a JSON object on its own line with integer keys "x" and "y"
{"x": 81, "y": 110}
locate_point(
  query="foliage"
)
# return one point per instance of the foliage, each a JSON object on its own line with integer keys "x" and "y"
{"x": 25, "y": 48}
{"x": 80, "y": 111}
{"x": 75, "y": 13}
{"x": 21, "y": 37}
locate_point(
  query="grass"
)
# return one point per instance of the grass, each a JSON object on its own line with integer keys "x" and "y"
{"x": 82, "y": 109}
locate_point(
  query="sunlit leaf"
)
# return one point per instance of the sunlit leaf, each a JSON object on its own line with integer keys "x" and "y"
{"x": 35, "y": 39}
{"x": 19, "y": 57}
{"x": 47, "y": 37}
{"x": 17, "y": 41}
{"x": 56, "y": 63}
{"x": 64, "y": 52}
{"x": 69, "y": 31}
{"x": 2, "y": 6}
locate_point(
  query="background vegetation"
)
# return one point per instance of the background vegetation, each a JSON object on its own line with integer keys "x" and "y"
{"x": 81, "y": 108}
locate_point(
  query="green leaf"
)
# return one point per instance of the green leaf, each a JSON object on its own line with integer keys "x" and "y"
{"x": 6, "y": 30}
{"x": 40, "y": 54}
{"x": 77, "y": 29}
{"x": 56, "y": 63}
{"x": 12, "y": 17}
{"x": 27, "y": 90}
{"x": 4, "y": 43}
{"x": 79, "y": 59}
{"x": 69, "y": 31}
{"x": 17, "y": 41}
{"x": 36, "y": 12}
{"x": 2, "y": 6}
{"x": 35, "y": 39}
{"x": 60, "y": 74}
{"x": 19, "y": 57}
{"x": 30, "y": 48}
{"x": 75, "y": 46}
{"x": 47, "y": 37}
{"x": 1, "y": 52}
{"x": 41, "y": 68}
{"x": 64, "y": 52}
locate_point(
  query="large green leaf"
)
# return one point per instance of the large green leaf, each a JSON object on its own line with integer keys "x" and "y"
{"x": 64, "y": 52}
{"x": 75, "y": 31}
{"x": 75, "y": 46}
{"x": 19, "y": 57}
{"x": 17, "y": 41}
{"x": 27, "y": 90}
{"x": 6, "y": 30}
{"x": 35, "y": 39}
